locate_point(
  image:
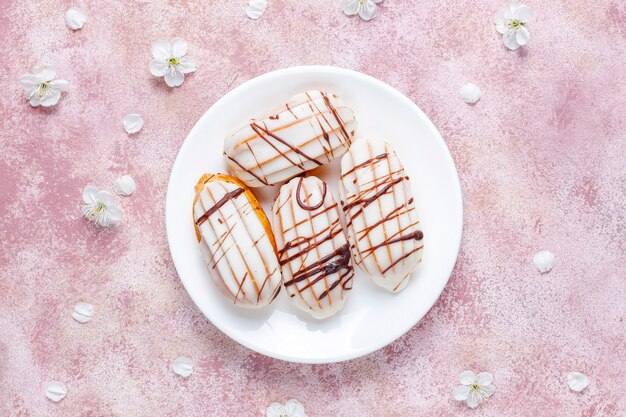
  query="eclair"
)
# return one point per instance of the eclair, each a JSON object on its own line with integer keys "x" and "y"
{"x": 383, "y": 227}
{"x": 313, "y": 251}
{"x": 311, "y": 129}
{"x": 236, "y": 241}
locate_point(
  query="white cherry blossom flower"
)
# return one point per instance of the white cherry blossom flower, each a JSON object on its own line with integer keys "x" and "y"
{"x": 511, "y": 23}
{"x": 474, "y": 388}
{"x": 170, "y": 61}
{"x": 41, "y": 88}
{"x": 366, "y": 9}
{"x": 100, "y": 207}
{"x": 292, "y": 408}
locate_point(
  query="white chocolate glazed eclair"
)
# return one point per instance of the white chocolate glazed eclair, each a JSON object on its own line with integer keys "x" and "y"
{"x": 236, "y": 241}
{"x": 312, "y": 248}
{"x": 311, "y": 129}
{"x": 383, "y": 228}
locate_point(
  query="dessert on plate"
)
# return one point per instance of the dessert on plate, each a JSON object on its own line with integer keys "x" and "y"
{"x": 312, "y": 248}
{"x": 236, "y": 241}
{"x": 311, "y": 129}
{"x": 383, "y": 228}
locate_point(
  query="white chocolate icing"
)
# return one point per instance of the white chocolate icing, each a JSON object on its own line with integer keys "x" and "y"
{"x": 183, "y": 366}
{"x": 311, "y": 129}
{"x": 383, "y": 228}
{"x": 240, "y": 257}
{"x": 56, "y": 391}
{"x": 312, "y": 247}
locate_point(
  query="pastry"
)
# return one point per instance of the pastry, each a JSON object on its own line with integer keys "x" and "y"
{"x": 311, "y": 129}
{"x": 236, "y": 241}
{"x": 312, "y": 248}
{"x": 383, "y": 228}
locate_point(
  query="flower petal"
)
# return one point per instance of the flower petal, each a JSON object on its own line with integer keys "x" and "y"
{"x": 368, "y": 10}
{"x": 275, "y": 410}
{"x": 484, "y": 378}
{"x": 174, "y": 78}
{"x": 105, "y": 198}
{"x": 34, "y": 100}
{"x": 577, "y": 381}
{"x": 75, "y": 18}
{"x": 350, "y": 7}
{"x": 179, "y": 47}
{"x": 461, "y": 393}
{"x": 294, "y": 408}
{"x": 45, "y": 72}
{"x": 468, "y": 378}
{"x": 61, "y": 85}
{"x": 52, "y": 99}
{"x": 473, "y": 399}
{"x": 509, "y": 41}
{"x": 89, "y": 194}
{"x": 187, "y": 65}
{"x": 161, "y": 50}
{"x": 28, "y": 83}
{"x": 158, "y": 68}
{"x": 132, "y": 123}
{"x": 523, "y": 14}
{"x": 487, "y": 391}
{"x": 522, "y": 35}
{"x": 113, "y": 215}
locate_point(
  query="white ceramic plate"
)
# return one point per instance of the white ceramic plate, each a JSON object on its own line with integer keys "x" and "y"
{"x": 372, "y": 317}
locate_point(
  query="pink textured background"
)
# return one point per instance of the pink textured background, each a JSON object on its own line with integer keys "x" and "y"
{"x": 542, "y": 162}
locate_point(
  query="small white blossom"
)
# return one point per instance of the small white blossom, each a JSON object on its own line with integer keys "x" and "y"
{"x": 124, "y": 185}
{"x": 292, "y": 408}
{"x": 132, "y": 123}
{"x": 75, "y": 18}
{"x": 474, "y": 388}
{"x": 183, "y": 366}
{"x": 100, "y": 207}
{"x": 41, "y": 88}
{"x": 544, "y": 261}
{"x": 511, "y": 23}
{"x": 470, "y": 93}
{"x": 577, "y": 381}
{"x": 56, "y": 391}
{"x": 256, "y": 8}
{"x": 170, "y": 61}
{"x": 366, "y": 9}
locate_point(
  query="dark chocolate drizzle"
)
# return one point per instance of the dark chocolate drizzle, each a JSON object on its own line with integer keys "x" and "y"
{"x": 304, "y": 206}
{"x": 227, "y": 197}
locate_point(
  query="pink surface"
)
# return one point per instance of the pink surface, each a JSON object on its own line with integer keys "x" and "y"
{"x": 541, "y": 158}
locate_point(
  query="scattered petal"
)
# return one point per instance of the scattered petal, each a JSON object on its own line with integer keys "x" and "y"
{"x": 83, "y": 312}
{"x": 133, "y": 123}
{"x": 256, "y": 8}
{"x": 183, "y": 366}
{"x": 56, "y": 390}
{"x": 124, "y": 185}
{"x": 292, "y": 408}
{"x": 544, "y": 261}
{"x": 470, "y": 93}
{"x": 366, "y": 9}
{"x": 75, "y": 18}
{"x": 577, "y": 381}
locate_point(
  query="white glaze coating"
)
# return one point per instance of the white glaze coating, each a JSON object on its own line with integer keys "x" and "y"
{"x": 311, "y": 129}
{"x": 239, "y": 254}
{"x": 383, "y": 228}
{"x": 313, "y": 251}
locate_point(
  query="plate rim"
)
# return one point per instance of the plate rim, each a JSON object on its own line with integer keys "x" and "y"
{"x": 357, "y": 353}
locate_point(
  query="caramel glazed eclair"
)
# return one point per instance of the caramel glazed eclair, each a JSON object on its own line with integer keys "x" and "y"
{"x": 383, "y": 229}
{"x": 236, "y": 241}
{"x": 311, "y": 129}
{"x": 312, "y": 249}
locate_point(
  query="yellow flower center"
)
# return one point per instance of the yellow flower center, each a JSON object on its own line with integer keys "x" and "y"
{"x": 172, "y": 62}
{"x": 43, "y": 87}
{"x": 516, "y": 23}
{"x": 475, "y": 387}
